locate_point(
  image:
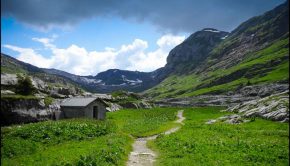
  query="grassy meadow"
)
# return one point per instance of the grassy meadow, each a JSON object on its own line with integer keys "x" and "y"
{"x": 260, "y": 142}
{"x": 93, "y": 142}
{"x": 81, "y": 141}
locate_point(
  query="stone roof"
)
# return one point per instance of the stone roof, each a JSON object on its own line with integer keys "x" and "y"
{"x": 78, "y": 101}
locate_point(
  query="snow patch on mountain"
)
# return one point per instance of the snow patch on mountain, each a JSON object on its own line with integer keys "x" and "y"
{"x": 224, "y": 37}
{"x": 211, "y": 30}
{"x": 134, "y": 82}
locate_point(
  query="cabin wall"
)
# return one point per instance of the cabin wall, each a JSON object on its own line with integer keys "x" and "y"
{"x": 88, "y": 111}
{"x": 73, "y": 112}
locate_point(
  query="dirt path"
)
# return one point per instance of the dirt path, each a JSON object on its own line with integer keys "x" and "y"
{"x": 141, "y": 154}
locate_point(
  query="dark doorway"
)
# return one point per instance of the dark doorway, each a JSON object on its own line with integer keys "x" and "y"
{"x": 95, "y": 112}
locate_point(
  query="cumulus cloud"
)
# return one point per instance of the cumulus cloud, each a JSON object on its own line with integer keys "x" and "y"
{"x": 30, "y": 56}
{"x": 78, "y": 60}
{"x": 172, "y": 15}
{"x": 155, "y": 59}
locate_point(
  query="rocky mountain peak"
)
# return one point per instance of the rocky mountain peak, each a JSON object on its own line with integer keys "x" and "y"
{"x": 193, "y": 50}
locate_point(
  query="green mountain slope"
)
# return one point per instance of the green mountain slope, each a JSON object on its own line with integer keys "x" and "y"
{"x": 257, "y": 52}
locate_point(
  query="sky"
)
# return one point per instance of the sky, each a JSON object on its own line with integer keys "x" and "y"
{"x": 90, "y": 36}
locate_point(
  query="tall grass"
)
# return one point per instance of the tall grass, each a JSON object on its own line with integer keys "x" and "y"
{"x": 260, "y": 142}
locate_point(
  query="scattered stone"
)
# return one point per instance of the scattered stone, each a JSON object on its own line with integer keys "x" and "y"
{"x": 230, "y": 119}
{"x": 211, "y": 121}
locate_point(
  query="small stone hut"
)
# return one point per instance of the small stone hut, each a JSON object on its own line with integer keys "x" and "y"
{"x": 91, "y": 107}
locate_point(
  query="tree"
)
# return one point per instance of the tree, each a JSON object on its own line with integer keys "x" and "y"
{"x": 24, "y": 86}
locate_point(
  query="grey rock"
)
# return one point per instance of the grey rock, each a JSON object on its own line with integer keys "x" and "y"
{"x": 212, "y": 121}
{"x": 113, "y": 107}
{"x": 39, "y": 84}
{"x": 274, "y": 107}
{"x": 246, "y": 94}
{"x": 7, "y": 92}
{"x": 9, "y": 79}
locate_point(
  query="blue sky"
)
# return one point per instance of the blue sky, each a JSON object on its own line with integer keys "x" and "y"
{"x": 87, "y": 37}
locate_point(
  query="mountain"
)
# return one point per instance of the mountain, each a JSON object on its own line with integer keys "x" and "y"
{"x": 215, "y": 62}
{"x": 208, "y": 62}
{"x": 10, "y": 65}
{"x": 104, "y": 82}
{"x": 186, "y": 56}
{"x": 110, "y": 80}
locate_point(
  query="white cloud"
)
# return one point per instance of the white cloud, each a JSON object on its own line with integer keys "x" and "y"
{"x": 78, "y": 60}
{"x": 156, "y": 59}
{"x": 28, "y": 55}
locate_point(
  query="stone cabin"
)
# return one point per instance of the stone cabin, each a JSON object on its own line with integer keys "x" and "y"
{"x": 90, "y": 107}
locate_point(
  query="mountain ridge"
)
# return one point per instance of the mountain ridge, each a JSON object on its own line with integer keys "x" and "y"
{"x": 200, "y": 58}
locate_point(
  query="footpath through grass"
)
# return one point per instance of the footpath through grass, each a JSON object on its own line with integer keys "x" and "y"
{"x": 260, "y": 142}
{"x": 81, "y": 141}
{"x": 144, "y": 122}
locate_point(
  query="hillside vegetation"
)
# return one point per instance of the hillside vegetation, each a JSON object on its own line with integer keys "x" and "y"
{"x": 268, "y": 65}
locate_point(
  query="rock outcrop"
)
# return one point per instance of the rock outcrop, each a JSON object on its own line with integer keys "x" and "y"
{"x": 14, "y": 111}
{"x": 274, "y": 107}
{"x": 244, "y": 94}
{"x": 193, "y": 50}
{"x": 8, "y": 79}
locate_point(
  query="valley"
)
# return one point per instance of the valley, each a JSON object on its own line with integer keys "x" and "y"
{"x": 222, "y": 98}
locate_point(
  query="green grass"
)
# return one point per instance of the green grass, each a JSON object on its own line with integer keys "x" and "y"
{"x": 18, "y": 97}
{"x": 280, "y": 73}
{"x": 111, "y": 149}
{"x": 11, "y": 70}
{"x": 176, "y": 86}
{"x": 64, "y": 142}
{"x": 93, "y": 142}
{"x": 82, "y": 141}
{"x": 48, "y": 100}
{"x": 144, "y": 122}
{"x": 260, "y": 142}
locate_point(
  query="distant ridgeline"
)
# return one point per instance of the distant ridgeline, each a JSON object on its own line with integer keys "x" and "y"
{"x": 207, "y": 62}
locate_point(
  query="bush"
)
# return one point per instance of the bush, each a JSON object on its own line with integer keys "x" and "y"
{"x": 48, "y": 100}
{"x": 24, "y": 86}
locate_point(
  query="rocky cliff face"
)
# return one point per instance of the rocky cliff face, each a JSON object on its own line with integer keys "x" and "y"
{"x": 253, "y": 35}
{"x": 15, "y": 111}
{"x": 9, "y": 81}
{"x": 194, "y": 50}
